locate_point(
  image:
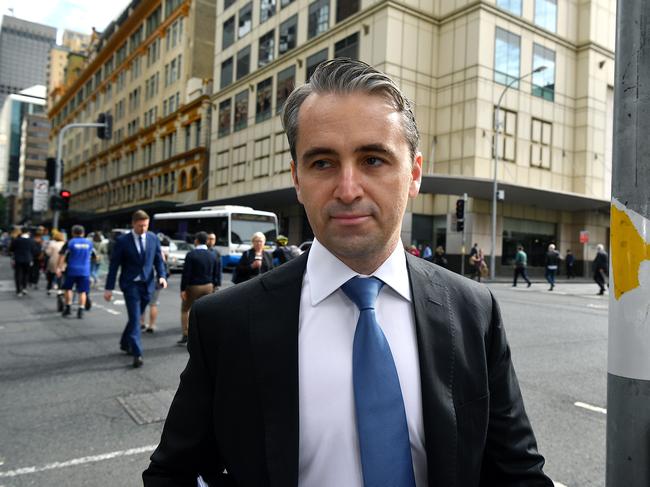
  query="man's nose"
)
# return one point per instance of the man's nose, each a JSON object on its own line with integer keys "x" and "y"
{"x": 349, "y": 185}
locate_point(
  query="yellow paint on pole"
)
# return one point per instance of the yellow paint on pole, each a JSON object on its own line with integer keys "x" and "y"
{"x": 629, "y": 249}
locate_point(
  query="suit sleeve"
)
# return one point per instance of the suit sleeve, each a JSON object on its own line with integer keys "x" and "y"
{"x": 158, "y": 261}
{"x": 511, "y": 458}
{"x": 244, "y": 267}
{"x": 187, "y": 446}
{"x": 116, "y": 259}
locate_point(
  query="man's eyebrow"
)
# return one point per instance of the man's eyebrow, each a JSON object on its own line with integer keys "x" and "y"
{"x": 318, "y": 151}
{"x": 380, "y": 148}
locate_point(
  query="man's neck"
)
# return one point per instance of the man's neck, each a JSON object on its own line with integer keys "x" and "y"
{"x": 370, "y": 263}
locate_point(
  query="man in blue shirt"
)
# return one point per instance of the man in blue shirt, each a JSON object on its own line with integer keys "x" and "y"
{"x": 77, "y": 253}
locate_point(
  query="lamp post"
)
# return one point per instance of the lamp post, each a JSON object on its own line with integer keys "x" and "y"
{"x": 496, "y": 166}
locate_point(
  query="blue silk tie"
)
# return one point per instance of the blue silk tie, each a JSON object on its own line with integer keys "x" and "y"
{"x": 381, "y": 419}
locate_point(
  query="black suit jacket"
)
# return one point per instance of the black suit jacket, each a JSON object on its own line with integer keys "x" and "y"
{"x": 237, "y": 404}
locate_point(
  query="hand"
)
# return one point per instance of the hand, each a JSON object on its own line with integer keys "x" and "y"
{"x": 58, "y": 273}
{"x": 183, "y": 295}
{"x": 108, "y": 295}
{"x": 163, "y": 282}
{"x": 256, "y": 264}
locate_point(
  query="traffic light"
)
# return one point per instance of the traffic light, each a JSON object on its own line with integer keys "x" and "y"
{"x": 50, "y": 170}
{"x": 65, "y": 199}
{"x": 56, "y": 202}
{"x": 460, "y": 215}
{"x": 105, "y": 132}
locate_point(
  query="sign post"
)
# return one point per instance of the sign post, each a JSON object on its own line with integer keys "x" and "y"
{"x": 584, "y": 240}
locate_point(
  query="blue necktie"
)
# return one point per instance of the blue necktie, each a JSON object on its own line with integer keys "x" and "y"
{"x": 381, "y": 419}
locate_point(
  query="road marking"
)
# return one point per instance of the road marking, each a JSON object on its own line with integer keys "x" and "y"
{"x": 118, "y": 302}
{"x": 589, "y": 407}
{"x": 108, "y": 310}
{"x": 597, "y": 306}
{"x": 78, "y": 461}
{"x": 558, "y": 484}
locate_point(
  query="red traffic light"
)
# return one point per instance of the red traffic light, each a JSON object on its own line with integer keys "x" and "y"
{"x": 65, "y": 194}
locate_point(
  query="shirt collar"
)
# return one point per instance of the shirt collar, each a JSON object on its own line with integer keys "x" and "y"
{"x": 326, "y": 273}
{"x": 201, "y": 247}
{"x": 136, "y": 236}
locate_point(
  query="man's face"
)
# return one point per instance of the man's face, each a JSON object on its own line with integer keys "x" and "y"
{"x": 354, "y": 173}
{"x": 140, "y": 226}
{"x": 212, "y": 240}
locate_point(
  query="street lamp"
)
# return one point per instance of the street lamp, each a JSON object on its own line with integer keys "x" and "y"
{"x": 496, "y": 166}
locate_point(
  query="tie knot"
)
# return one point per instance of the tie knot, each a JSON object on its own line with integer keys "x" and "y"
{"x": 363, "y": 291}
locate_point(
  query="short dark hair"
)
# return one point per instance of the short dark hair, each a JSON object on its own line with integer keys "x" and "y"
{"x": 139, "y": 215}
{"x": 201, "y": 237}
{"x": 78, "y": 230}
{"x": 343, "y": 76}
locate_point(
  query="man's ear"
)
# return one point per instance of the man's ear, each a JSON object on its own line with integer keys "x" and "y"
{"x": 294, "y": 178}
{"x": 416, "y": 175}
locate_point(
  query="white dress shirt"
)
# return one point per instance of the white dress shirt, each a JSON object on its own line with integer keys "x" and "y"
{"x": 329, "y": 445}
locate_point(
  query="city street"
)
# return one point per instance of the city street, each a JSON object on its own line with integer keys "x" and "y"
{"x": 74, "y": 413}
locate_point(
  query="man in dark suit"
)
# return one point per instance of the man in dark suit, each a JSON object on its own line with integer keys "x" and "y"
{"x": 137, "y": 253}
{"x": 21, "y": 250}
{"x": 201, "y": 276}
{"x": 355, "y": 364}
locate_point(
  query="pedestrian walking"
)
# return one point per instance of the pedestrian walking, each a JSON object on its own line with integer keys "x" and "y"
{"x": 21, "y": 250}
{"x": 281, "y": 390}
{"x": 254, "y": 261}
{"x": 521, "y": 263}
{"x": 98, "y": 257}
{"x": 38, "y": 258}
{"x": 200, "y": 277}
{"x": 570, "y": 261}
{"x": 283, "y": 253}
{"x": 600, "y": 268}
{"x": 75, "y": 256}
{"x": 477, "y": 261}
{"x": 53, "y": 250}
{"x": 413, "y": 250}
{"x": 552, "y": 263}
{"x": 212, "y": 247}
{"x": 439, "y": 257}
{"x": 138, "y": 256}
{"x": 427, "y": 254}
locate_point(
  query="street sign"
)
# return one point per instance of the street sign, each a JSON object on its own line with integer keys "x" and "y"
{"x": 41, "y": 190}
{"x": 584, "y": 236}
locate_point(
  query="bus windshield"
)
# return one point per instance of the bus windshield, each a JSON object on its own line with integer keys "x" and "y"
{"x": 243, "y": 226}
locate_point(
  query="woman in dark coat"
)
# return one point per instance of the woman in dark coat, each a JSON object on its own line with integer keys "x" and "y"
{"x": 254, "y": 261}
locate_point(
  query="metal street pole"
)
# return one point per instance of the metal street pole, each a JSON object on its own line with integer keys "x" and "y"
{"x": 59, "y": 166}
{"x": 495, "y": 150}
{"x": 628, "y": 358}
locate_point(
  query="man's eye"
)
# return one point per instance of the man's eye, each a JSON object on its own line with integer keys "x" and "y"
{"x": 321, "y": 164}
{"x": 374, "y": 161}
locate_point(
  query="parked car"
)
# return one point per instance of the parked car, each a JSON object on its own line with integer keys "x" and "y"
{"x": 178, "y": 249}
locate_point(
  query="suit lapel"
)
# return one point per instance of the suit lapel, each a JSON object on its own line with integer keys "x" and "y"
{"x": 274, "y": 338}
{"x": 436, "y": 347}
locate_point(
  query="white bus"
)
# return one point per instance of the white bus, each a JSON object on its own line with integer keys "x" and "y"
{"x": 233, "y": 226}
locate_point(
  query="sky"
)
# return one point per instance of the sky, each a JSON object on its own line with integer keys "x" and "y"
{"x": 77, "y": 15}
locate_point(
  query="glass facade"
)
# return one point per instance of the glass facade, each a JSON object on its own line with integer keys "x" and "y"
{"x": 228, "y": 36}
{"x": 241, "y": 110}
{"x": 544, "y": 81}
{"x": 225, "y": 116}
{"x": 226, "y": 73}
{"x": 507, "y": 47}
{"x": 319, "y": 18}
{"x": 243, "y": 62}
{"x": 263, "y": 103}
{"x": 267, "y": 10}
{"x": 513, "y": 6}
{"x": 245, "y": 20}
{"x": 288, "y": 34}
{"x": 266, "y": 49}
{"x": 285, "y": 85}
{"x": 546, "y": 14}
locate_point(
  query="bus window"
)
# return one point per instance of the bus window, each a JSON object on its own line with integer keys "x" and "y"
{"x": 245, "y": 225}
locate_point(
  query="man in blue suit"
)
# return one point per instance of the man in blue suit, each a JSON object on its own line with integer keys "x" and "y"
{"x": 137, "y": 253}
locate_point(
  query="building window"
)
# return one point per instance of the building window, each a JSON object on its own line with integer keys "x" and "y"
{"x": 225, "y": 114}
{"x": 188, "y": 136}
{"x": 197, "y": 134}
{"x": 348, "y": 47}
{"x": 267, "y": 10}
{"x": 241, "y": 110}
{"x": 245, "y": 19}
{"x": 228, "y": 3}
{"x": 243, "y": 62}
{"x": 228, "y": 33}
{"x": 507, "y": 126}
{"x": 319, "y": 18}
{"x": 288, "y": 31}
{"x": 546, "y": 14}
{"x": 284, "y": 3}
{"x": 223, "y": 164}
{"x": 513, "y": 6}
{"x": 544, "y": 81}
{"x": 285, "y": 84}
{"x": 506, "y": 57}
{"x": 540, "y": 143}
{"x": 314, "y": 60}
{"x": 226, "y": 73}
{"x": 266, "y": 49}
{"x": 345, "y": 8}
{"x": 263, "y": 104}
